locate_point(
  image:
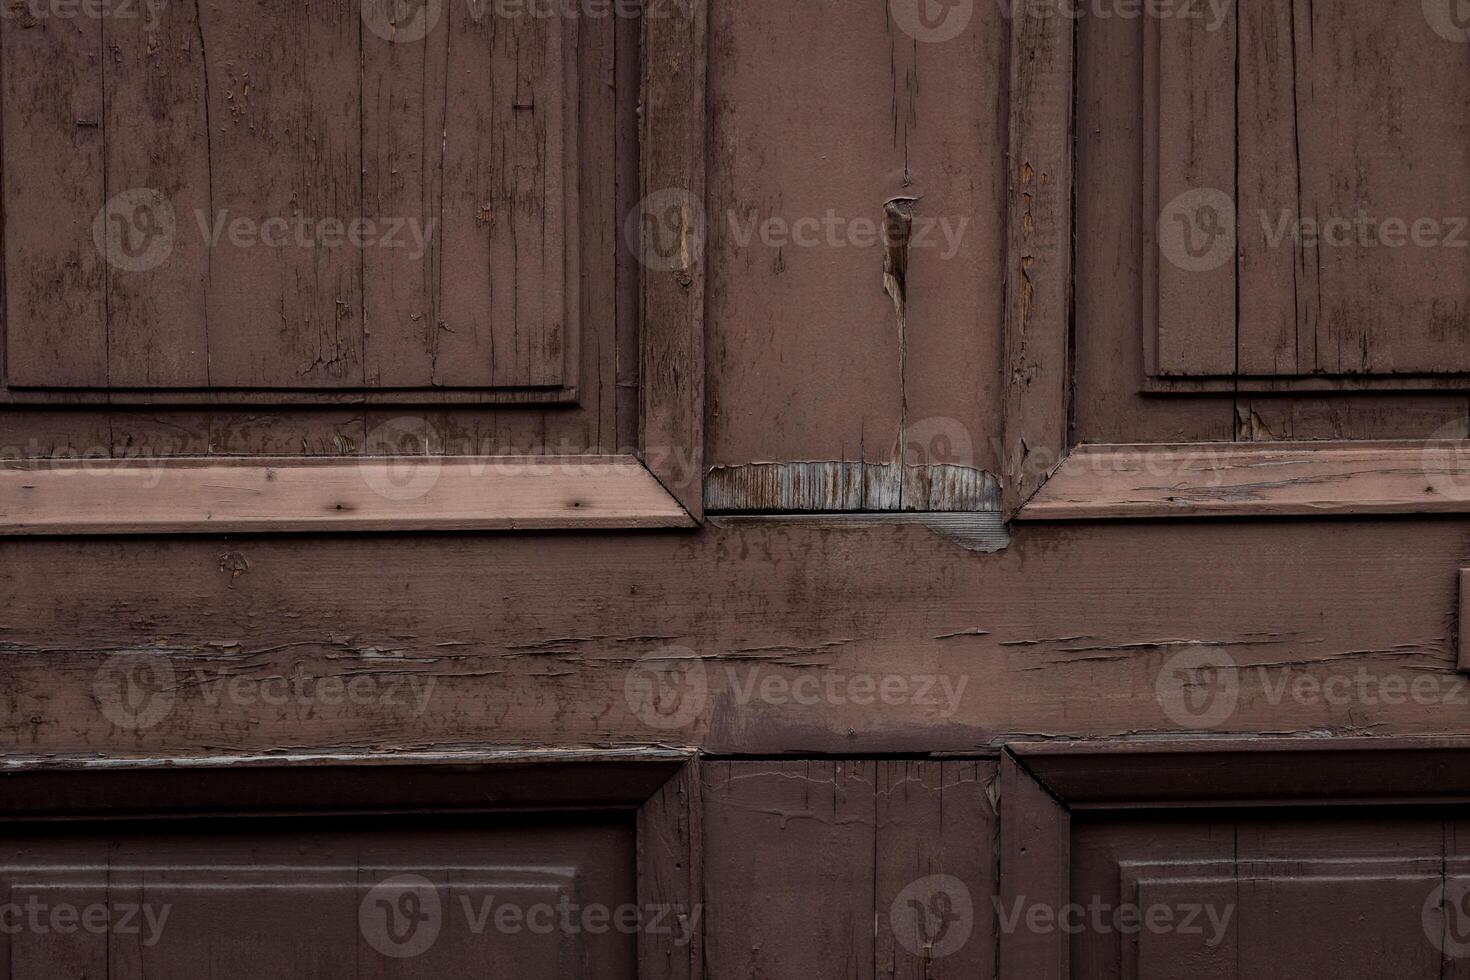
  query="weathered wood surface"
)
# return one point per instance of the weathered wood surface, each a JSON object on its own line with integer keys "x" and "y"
{"x": 1035, "y": 859}
{"x": 525, "y": 641}
{"x": 888, "y": 867}
{"x": 811, "y": 148}
{"x": 850, "y": 488}
{"x": 671, "y": 219}
{"x": 405, "y": 493}
{"x": 1039, "y": 265}
{"x": 1259, "y": 480}
{"x": 1117, "y": 248}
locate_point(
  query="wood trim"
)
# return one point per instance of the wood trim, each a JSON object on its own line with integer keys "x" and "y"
{"x": 1035, "y": 869}
{"x": 286, "y": 787}
{"x": 663, "y": 489}
{"x": 1260, "y": 480}
{"x": 1039, "y": 250}
{"x": 670, "y": 876}
{"x": 675, "y": 78}
{"x": 1044, "y": 784}
{"x": 1255, "y": 772}
{"x": 1462, "y": 627}
{"x": 332, "y": 494}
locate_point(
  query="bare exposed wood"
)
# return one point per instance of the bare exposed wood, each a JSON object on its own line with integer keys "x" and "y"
{"x": 1039, "y": 257}
{"x": 296, "y": 495}
{"x": 776, "y": 488}
{"x": 675, "y": 69}
{"x": 1263, "y": 480}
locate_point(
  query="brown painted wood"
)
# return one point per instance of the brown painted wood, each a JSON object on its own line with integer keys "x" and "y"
{"x": 530, "y": 640}
{"x": 670, "y": 877}
{"x": 1259, "y": 833}
{"x": 864, "y": 868}
{"x": 55, "y": 143}
{"x": 1039, "y": 254}
{"x": 1181, "y": 772}
{"x": 285, "y": 141}
{"x": 422, "y": 493}
{"x": 157, "y": 319}
{"x": 1464, "y": 619}
{"x": 1197, "y": 111}
{"x": 1035, "y": 860}
{"x": 801, "y": 319}
{"x": 673, "y": 147}
{"x": 544, "y": 215}
{"x": 1263, "y": 480}
{"x": 290, "y": 862}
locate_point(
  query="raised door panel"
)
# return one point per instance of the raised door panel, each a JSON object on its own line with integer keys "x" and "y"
{"x": 292, "y": 901}
{"x": 1311, "y": 177}
{"x": 316, "y": 197}
{"x": 1248, "y": 860}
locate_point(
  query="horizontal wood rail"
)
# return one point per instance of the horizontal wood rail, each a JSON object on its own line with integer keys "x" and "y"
{"x": 211, "y": 495}
{"x": 1277, "y": 479}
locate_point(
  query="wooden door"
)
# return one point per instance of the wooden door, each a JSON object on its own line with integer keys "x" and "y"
{"x": 699, "y": 489}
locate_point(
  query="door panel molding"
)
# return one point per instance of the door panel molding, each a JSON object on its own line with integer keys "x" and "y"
{"x": 1045, "y": 784}
{"x": 661, "y": 488}
{"x": 1253, "y": 480}
{"x": 1047, "y": 474}
{"x": 661, "y": 788}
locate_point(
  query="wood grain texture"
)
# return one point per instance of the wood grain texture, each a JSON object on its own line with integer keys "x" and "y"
{"x": 777, "y": 488}
{"x": 157, "y": 131}
{"x": 1196, "y": 105}
{"x": 808, "y": 360}
{"x": 670, "y": 878}
{"x": 1263, "y": 479}
{"x": 347, "y": 212}
{"x": 1117, "y": 252}
{"x": 527, "y": 641}
{"x": 54, "y": 149}
{"x": 299, "y": 495}
{"x": 674, "y": 112}
{"x": 285, "y": 141}
{"x": 1039, "y": 256}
